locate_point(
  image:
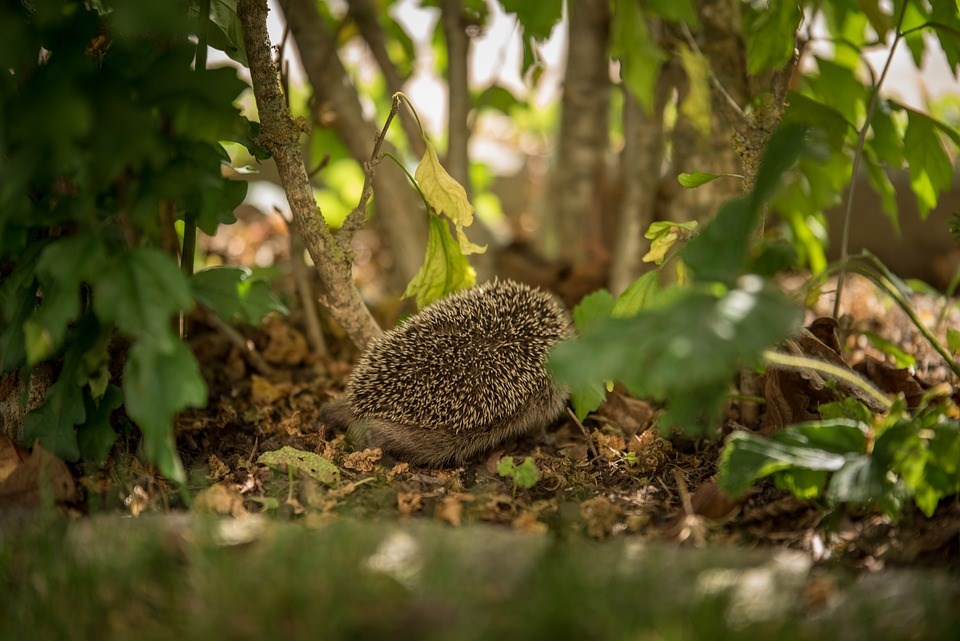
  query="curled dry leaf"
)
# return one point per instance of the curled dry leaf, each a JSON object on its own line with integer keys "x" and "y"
{"x": 527, "y": 522}
{"x": 286, "y": 345}
{"x": 450, "y": 510}
{"x": 364, "y": 461}
{"x": 892, "y": 380}
{"x": 39, "y": 475}
{"x": 222, "y": 498}
{"x": 264, "y": 392}
{"x": 600, "y": 516}
{"x": 629, "y": 414}
{"x": 409, "y": 502}
{"x": 218, "y": 469}
{"x": 651, "y": 449}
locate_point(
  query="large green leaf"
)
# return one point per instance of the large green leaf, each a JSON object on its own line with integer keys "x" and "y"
{"x": 95, "y": 437}
{"x": 634, "y": 46}
{"x": 683, "y": 351}
{"x": 52, "y": 424}
{"x": 231, "y": 293}
{"x": 747, "y": 457}
{"x": 158, "y": 384}
{"x": 445, "y": 269}
{"x": 537, "y": 18}
{"x": 929, "y": 165}
{"x": 140, "y": 291}
{"x": 771, "y": 34}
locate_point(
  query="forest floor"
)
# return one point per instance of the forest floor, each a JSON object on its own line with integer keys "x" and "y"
{"x": 613, "y": 478}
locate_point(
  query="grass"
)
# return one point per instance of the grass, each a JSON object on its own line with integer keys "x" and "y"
{"x": 176, "y": 577}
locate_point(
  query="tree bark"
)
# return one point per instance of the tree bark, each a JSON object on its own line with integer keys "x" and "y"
{"x": 365, "y": 15}
{"x": 281, "y": 136}
{"x": 398, "y": 206}
{"x": 640, "y": 164}
{"x": 580, "y": 170}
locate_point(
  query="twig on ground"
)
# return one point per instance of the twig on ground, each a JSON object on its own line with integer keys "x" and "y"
{"x": 593, "y": 450}
{"x": 245, "y": 346}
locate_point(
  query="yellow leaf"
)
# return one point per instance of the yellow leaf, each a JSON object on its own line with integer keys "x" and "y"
{"x": 466, "y": 247}
{"x": 444, "y": 194}
{"x": 696, "y": 104}
{"x": 445, "y": 269}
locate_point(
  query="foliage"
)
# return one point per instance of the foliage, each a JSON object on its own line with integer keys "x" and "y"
{"x": 524, "y": 475}
{"x": 103, "y": 127}
{"x": 292, "y": 459}
{"x": 682, "y": 345}
{"x": 849, "y": 457}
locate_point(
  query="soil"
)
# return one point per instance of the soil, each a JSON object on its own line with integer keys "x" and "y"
{"x": 611, "y": 476}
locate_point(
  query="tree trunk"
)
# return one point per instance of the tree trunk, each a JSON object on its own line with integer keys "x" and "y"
{"x": 576, "y": 198}
{"x": 640, "y": 164}
{"x": 281, "y": 136}
{"x": 397, "y": 204}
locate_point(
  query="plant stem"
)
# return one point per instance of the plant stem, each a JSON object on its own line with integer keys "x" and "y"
{"x": 356, "y": 217}
{"x": 861, "y": 139}
{"x": 190, "y": 219}
{"x": 800, "y": 362}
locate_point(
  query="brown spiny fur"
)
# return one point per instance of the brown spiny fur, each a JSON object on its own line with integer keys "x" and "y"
{"x": 458, "y": 379}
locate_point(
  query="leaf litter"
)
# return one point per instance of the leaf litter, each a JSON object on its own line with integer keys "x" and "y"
{"x": 239, "y": 450}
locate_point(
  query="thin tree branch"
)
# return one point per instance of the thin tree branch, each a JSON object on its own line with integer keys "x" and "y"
{"x": 355, "y": 218}
{"x": 365, "y": 15}
{"x": 861, "y": 140}
{"x": 281, "y": 136}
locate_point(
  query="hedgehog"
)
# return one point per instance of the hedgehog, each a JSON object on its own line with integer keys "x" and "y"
{"x": 458, "y": 379}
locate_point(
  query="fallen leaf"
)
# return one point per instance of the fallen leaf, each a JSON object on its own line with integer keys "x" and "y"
{"x": 286, "y": 345}
{"x": 222, "y": 498}
{"x": 651, "y": 449}
{"x": 892, "y": 380}
{"x": 600, "y": 516}
{"x": 11, "y": 457}
{"x": 364, "y": 461}
{"x": 313, "y": 465}
{"x": 263, "y": 392}
{"x": 629, "y": 414}
{"x": 39, "y": 476}
{"x": 450, "y": 510}
{"x": 409, "y": 502}
{"x": 218, "y": 469}
{"x": 527, "y": 522}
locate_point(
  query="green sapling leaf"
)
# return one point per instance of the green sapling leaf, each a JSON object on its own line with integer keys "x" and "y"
{"x": 313, "y": 465}
{"x": 231, "y": 294}
{"x": 694, "y": 179}
{"x": 445, "y": 269}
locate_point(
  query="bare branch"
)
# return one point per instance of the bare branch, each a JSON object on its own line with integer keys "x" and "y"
{"x": 281, "y": 136}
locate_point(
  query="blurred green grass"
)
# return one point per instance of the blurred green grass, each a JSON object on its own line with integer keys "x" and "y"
{"x": 182, "y": 577}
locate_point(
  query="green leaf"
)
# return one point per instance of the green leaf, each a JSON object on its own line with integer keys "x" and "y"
{"x": 52, "y": 424}
{"x": 445, "y": 269}
{"x": 771, "y": 35}
{"x": 637, "y": 296}
{"x": 953, "y": 340}
{"x": 887, "y": 139}
{"x": 313, "y": 465}
{"x": 805, "y": 111}
{"x": 95, "y": 437}
{"x": 632, "y": 44}
{"x": 446, "y": 196}
{"x": 929, "y": 165}
{"x": 227, "y": 33}
{"x": 231, "y": 293}
{"x": 694, "y": 179}
{"x": 588, "y": 398}
{"x": 849, "y": 408}
{"x": 900, "y": 358}
{"x": 156, "y": 385}
{"x": 524, "y": 475}
{"x": 537, "y": 18}
{"x": 747, "y": 457}
{"x": 673, "y": 10}
{"x": 683, "y": 351}
{"x": 696, "y": 105}
{"x": 140, "y": 291}
{"x": 592, "y": 310}
{"x": 663, "y": 235}
{"x": 497, "y": 98}
{"x": 880, "y": 182}
{"x": 859, "y": 480}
